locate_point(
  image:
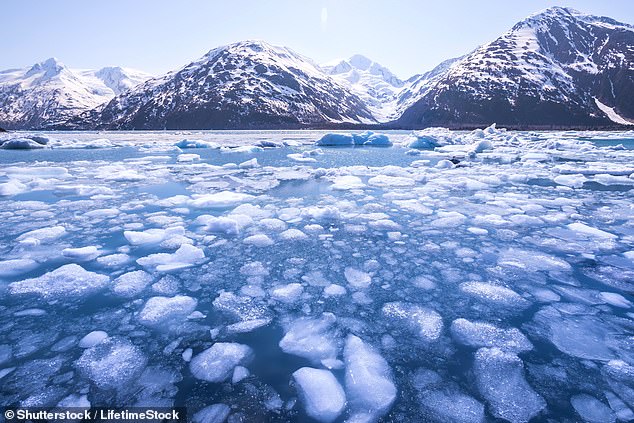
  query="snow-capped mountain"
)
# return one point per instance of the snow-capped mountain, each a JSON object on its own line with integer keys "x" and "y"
{"x": 557, "y": 67}
{"x": 374, "y": 83}
{"x": 49, "y": 92}
{"x": 249, "y": 84}
{"x": 118, "y": 79}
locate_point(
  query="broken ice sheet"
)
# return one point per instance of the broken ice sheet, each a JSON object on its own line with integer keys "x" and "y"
{"x": 210, "y": 283}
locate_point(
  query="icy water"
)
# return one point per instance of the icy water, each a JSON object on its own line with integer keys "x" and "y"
{"x": 335, "y": 284}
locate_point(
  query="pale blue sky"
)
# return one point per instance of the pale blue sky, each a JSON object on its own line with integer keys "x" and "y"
{"x": 407, "y": 36}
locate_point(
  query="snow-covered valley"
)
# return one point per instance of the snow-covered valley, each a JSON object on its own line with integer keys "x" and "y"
{"x": 432, "y": 276}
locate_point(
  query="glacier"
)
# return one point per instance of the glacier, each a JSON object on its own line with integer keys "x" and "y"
{"x": 448, "y": 276}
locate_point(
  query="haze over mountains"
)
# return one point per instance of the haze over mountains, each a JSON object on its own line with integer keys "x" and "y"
{"x": 556, "y": 68}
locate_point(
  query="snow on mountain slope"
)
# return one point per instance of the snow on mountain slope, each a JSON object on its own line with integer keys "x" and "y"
{"x": 374, "y": 83}
{"x": 546, "y": 70}
{"x": 118, "y": 79}
{"x": 250, "y": 84}
{"x": 49, "y": 92}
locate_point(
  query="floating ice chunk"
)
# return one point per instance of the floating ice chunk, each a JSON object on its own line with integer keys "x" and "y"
{"x": 590, "y": 231}
{"x": 132, "y": 284}
{"x": 425, "y": 322}
{"x": 239, "y": 373}
{"x": 448, "y": 220}
{"x": 532, "y": 261}
{"x": 391, "y": 181}
{"x": 301, "y": 157}
{"x": 43, "y": 235}
{"x": 617, "y": 300}
{"x": 445, "y": 164}
{"x": 12, "y": 187}
{"x": 481, "y": 146}
{"x": 102, "y": 213}
{"x": 621, "y": 410}
{"x": 82, "y": 253}
{"x": 163, "y": 311}
{"x": 16, "y": 266}
{"x": 216, "y": 413}
{"x": 249, "y": 164}
{"x": 20, "y": 144}
{"x": 255, "y": 268}
{"x": 114, "y": 260}
{"x": 385, "y": 225}
{"x": 70, "y": 280}
{"x": 152, "y": 236}
{"x": 242, "y": 149}
{"x": 481, "y": 334}
{"x": 591, "y": 409}
{"x": 500, "y": 380}
{"x": 216, "y": 364}
{"x": 186, "y": 256}
{"x": 323, "y": 213}
{"x": 348, "y": 182}
{"x": 224, "y": 225}
{"x": 288, "y": 293}
{"x": 578, "y": 336}
{"x": 311, "y": 338}
{"x": 369, "y": 386}
{"x": 112, "y": 363}
{"x": 573, "y": 181}
{"x": 357, "y": 278}
{"x": 424, "y": 282}
{"x": 182, "y": 158}
{"x": 320, "y": 392}
{"x": 334, "y": 290}
{"x": 186, "y": 143}
{"x": 493, "y": 293}
{"x": 345, "y": 140}
{"x": 259, "y": 240}
{"x": 93, "y": 338}
{"x": 376, "y": 140}
{"x": 74, "y": 401}
{"x": 248, "y": 325}
{"x": 220, "y": 200}
{"x": 293, "y": 235}
{"x": 454, "y": 407}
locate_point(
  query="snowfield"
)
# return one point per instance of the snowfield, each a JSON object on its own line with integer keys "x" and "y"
{"x": 308, "y": 276}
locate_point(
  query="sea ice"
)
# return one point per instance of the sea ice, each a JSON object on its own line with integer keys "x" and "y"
{"x": 357, "y": 278}
{"x": 43, "y": 235}
{"x": 16, "y": 266}
{"x": 258, "y": 240}
{"x": 216, "y": 364}
{"x": 187, "y": 143}
{"x": 132, "y": 284}
{"x": 481, "y": 334}
{"x": 216, "y": 413}
{"x": 112, "y": 363}
{"x": 320, "y": 392}
{"x": 287, "y": 293}
{"x": 186, "y": 256}
{"x": 426, "y": 323}
{"x": 500, "y": 379}
{"x": 70, "y": 280}
{"x": 312, "y": 338}
{"x": 494, "y": 294}
{"x": 82, "y": 253}
{"x": 591, "y": 409}
{"x": 220, "y": 200}
{"x": 369, "y": 385}
{"x": 163, "y": 311}
{"x": 93, "y": 338}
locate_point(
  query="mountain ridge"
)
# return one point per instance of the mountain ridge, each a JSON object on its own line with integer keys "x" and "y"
{"x": 557, "y": 68}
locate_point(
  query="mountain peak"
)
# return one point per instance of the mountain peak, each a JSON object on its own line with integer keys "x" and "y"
{"x": 50, "y": 67}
